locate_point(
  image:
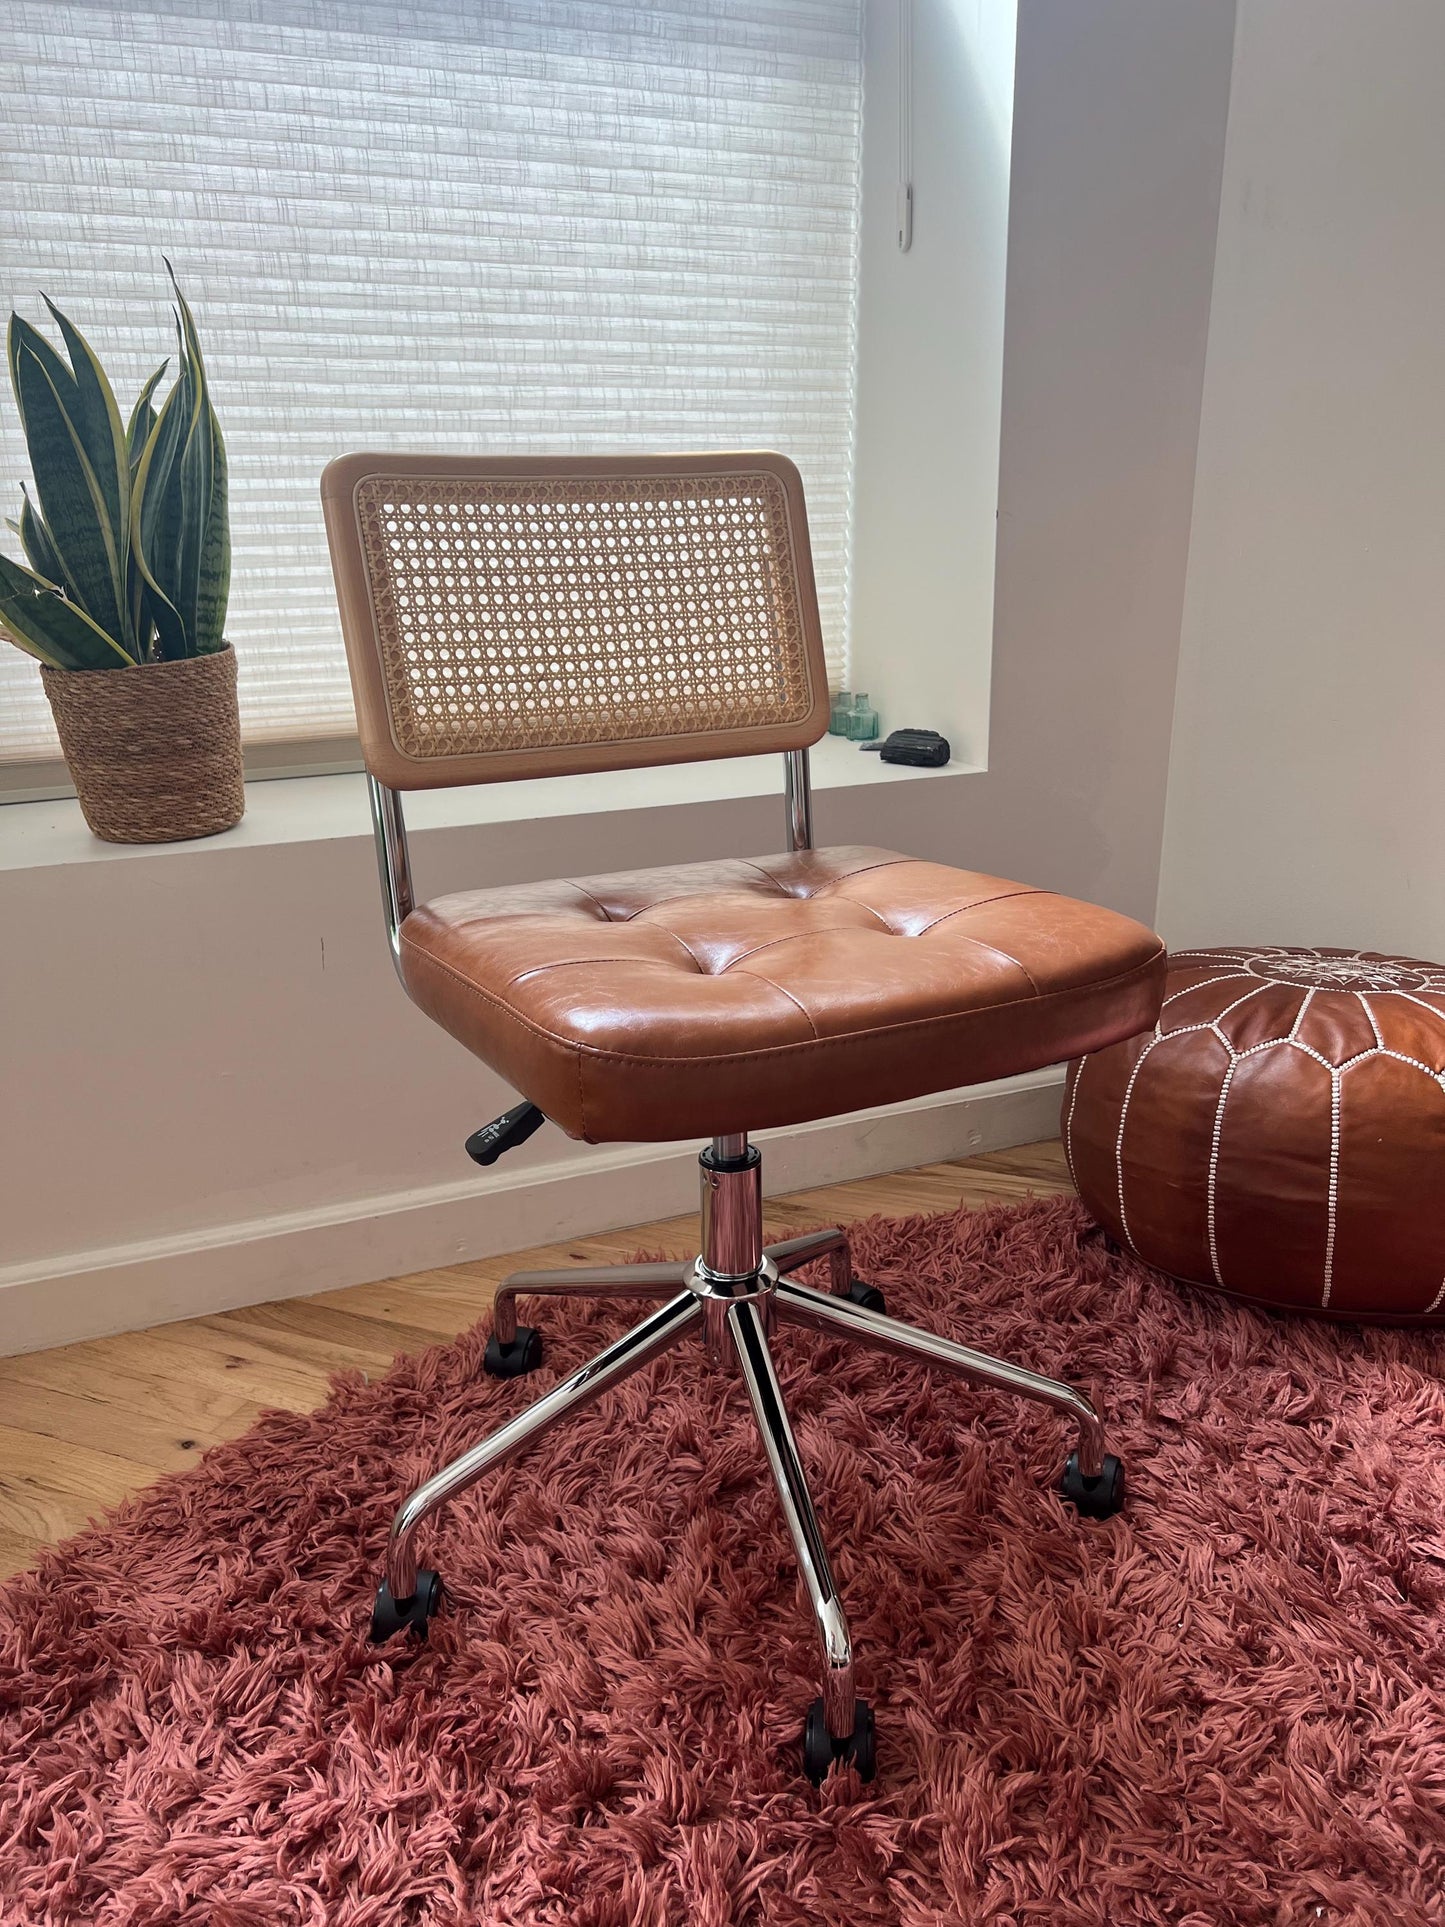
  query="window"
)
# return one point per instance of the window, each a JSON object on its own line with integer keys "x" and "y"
{"x": 439, "y": 224}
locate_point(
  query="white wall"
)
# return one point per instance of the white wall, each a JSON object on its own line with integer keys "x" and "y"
{"x": 205, "y": 1046}
{"x": 1118, "y": 142}
{"x": 1307, "y": 789}
{"x": 930, "y": 367}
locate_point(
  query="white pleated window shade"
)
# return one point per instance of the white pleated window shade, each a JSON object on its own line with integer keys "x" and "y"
{"x": 477, "y": 226}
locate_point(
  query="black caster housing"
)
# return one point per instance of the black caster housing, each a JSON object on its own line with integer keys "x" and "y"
{"x": 821, "y": 1752}
{"x": 868, "y": 1296}
{"x": 1097, "y": 1498}
{"x": 389, "y": 1616}
{"x": 523, "y": 1355}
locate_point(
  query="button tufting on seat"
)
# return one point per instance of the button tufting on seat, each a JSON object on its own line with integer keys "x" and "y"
{"x": 730, "y": 996}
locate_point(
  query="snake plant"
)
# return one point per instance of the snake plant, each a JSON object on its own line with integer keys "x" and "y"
{"x": 128, "y": 538}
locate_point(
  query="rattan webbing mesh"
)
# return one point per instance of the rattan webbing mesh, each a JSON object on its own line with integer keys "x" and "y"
{"x": 538, "y": 613}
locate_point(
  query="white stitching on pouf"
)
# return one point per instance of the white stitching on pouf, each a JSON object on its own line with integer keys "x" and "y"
{"x": 1313, "y": 971}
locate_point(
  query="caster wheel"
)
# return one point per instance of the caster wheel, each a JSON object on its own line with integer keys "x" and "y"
{"x": 821, "y": 1751}
{"x": 390, "y": 1615}
{"x": 1097, "y": 1498}
{"x": 868, "y": 1296}
{"x": 523, "y": 1355}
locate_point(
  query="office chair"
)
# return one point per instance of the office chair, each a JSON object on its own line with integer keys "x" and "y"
{"x": 529, "y": 617}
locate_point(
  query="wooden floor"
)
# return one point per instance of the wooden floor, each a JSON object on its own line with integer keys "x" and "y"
{"x": 84, "y": 1425}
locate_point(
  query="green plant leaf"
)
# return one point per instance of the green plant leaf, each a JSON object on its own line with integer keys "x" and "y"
{"x": 72, "y": 499}
{"x": 142, "y": 621}
{"x": 39, "y": 620}
{"x": 138, "y": 607}
{"x": 142, "y": 419}
{"x": 156, "y": 520}
{"x": 40, "y": 551}
{"x": 205, "y": 558}
{"x": 186, "y": 323}
{"x": 96, "y": 419}
{"x": 197, "y": 472}
{"x": 23, "y": 335}
{"x": 213, "y": 584}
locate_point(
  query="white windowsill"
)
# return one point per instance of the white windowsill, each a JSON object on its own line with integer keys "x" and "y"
{"x": 320, "y": 808}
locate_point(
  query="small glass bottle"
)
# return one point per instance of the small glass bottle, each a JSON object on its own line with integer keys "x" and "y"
{"x": 862, "y": 721}
{"x": 838, "y": 714}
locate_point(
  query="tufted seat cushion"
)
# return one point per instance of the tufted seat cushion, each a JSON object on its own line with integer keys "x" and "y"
{"x": 719, "y": 997}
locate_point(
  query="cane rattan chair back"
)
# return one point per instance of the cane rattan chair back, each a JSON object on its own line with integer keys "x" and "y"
{"x": 539, "y": 616}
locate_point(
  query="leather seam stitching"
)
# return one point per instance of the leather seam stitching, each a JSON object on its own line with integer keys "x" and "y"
{"x": 607, "y": 916}
{"x": 835, "y": 883}
{"x": 982, "y": 943}
{"x": 846, "y": 1037}
{"x": 425, "y": 957}
{"x": 578, "y": 963}
{"x": 792, "y": 1000}
{"x": 748, "y": 863}
{"x": 772, "y": 1050}
{"x": 697, "y": 961}
{"x": 877, "y": 915}
{"x": 1003, "y": 896}
{"x": 772, "y": 943}
{"x": 776, "y": 882}
{"x": 681, "y": 896}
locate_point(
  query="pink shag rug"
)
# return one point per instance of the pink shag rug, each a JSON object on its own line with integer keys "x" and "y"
{"x": 1223, "y": 1707}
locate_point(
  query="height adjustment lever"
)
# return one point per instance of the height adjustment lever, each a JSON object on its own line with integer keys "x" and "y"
{"x": 504, "y": 1133}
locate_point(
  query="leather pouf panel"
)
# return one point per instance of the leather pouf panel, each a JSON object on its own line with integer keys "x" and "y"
{"x": 1280, "y": 1134}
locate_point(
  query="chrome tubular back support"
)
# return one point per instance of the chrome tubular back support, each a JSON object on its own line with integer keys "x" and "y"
{"x": 393, "y": 859}
{"x": 393, "y": 862}
{"x": 798, "y": 791}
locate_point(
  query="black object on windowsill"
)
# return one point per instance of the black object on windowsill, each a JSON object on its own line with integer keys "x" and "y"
{"x": 922, "y": 748}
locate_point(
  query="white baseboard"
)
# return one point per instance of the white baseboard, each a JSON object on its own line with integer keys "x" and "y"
{"x": 87, "y": 1294}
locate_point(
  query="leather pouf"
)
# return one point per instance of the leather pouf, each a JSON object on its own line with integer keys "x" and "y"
{"x": 1280, "y": 1134}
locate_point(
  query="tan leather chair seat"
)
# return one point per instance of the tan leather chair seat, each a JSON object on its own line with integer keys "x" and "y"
{"x": 720, "y": 997}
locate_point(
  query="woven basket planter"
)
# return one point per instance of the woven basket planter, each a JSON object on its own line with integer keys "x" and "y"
{"x": 155, "y": 750}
